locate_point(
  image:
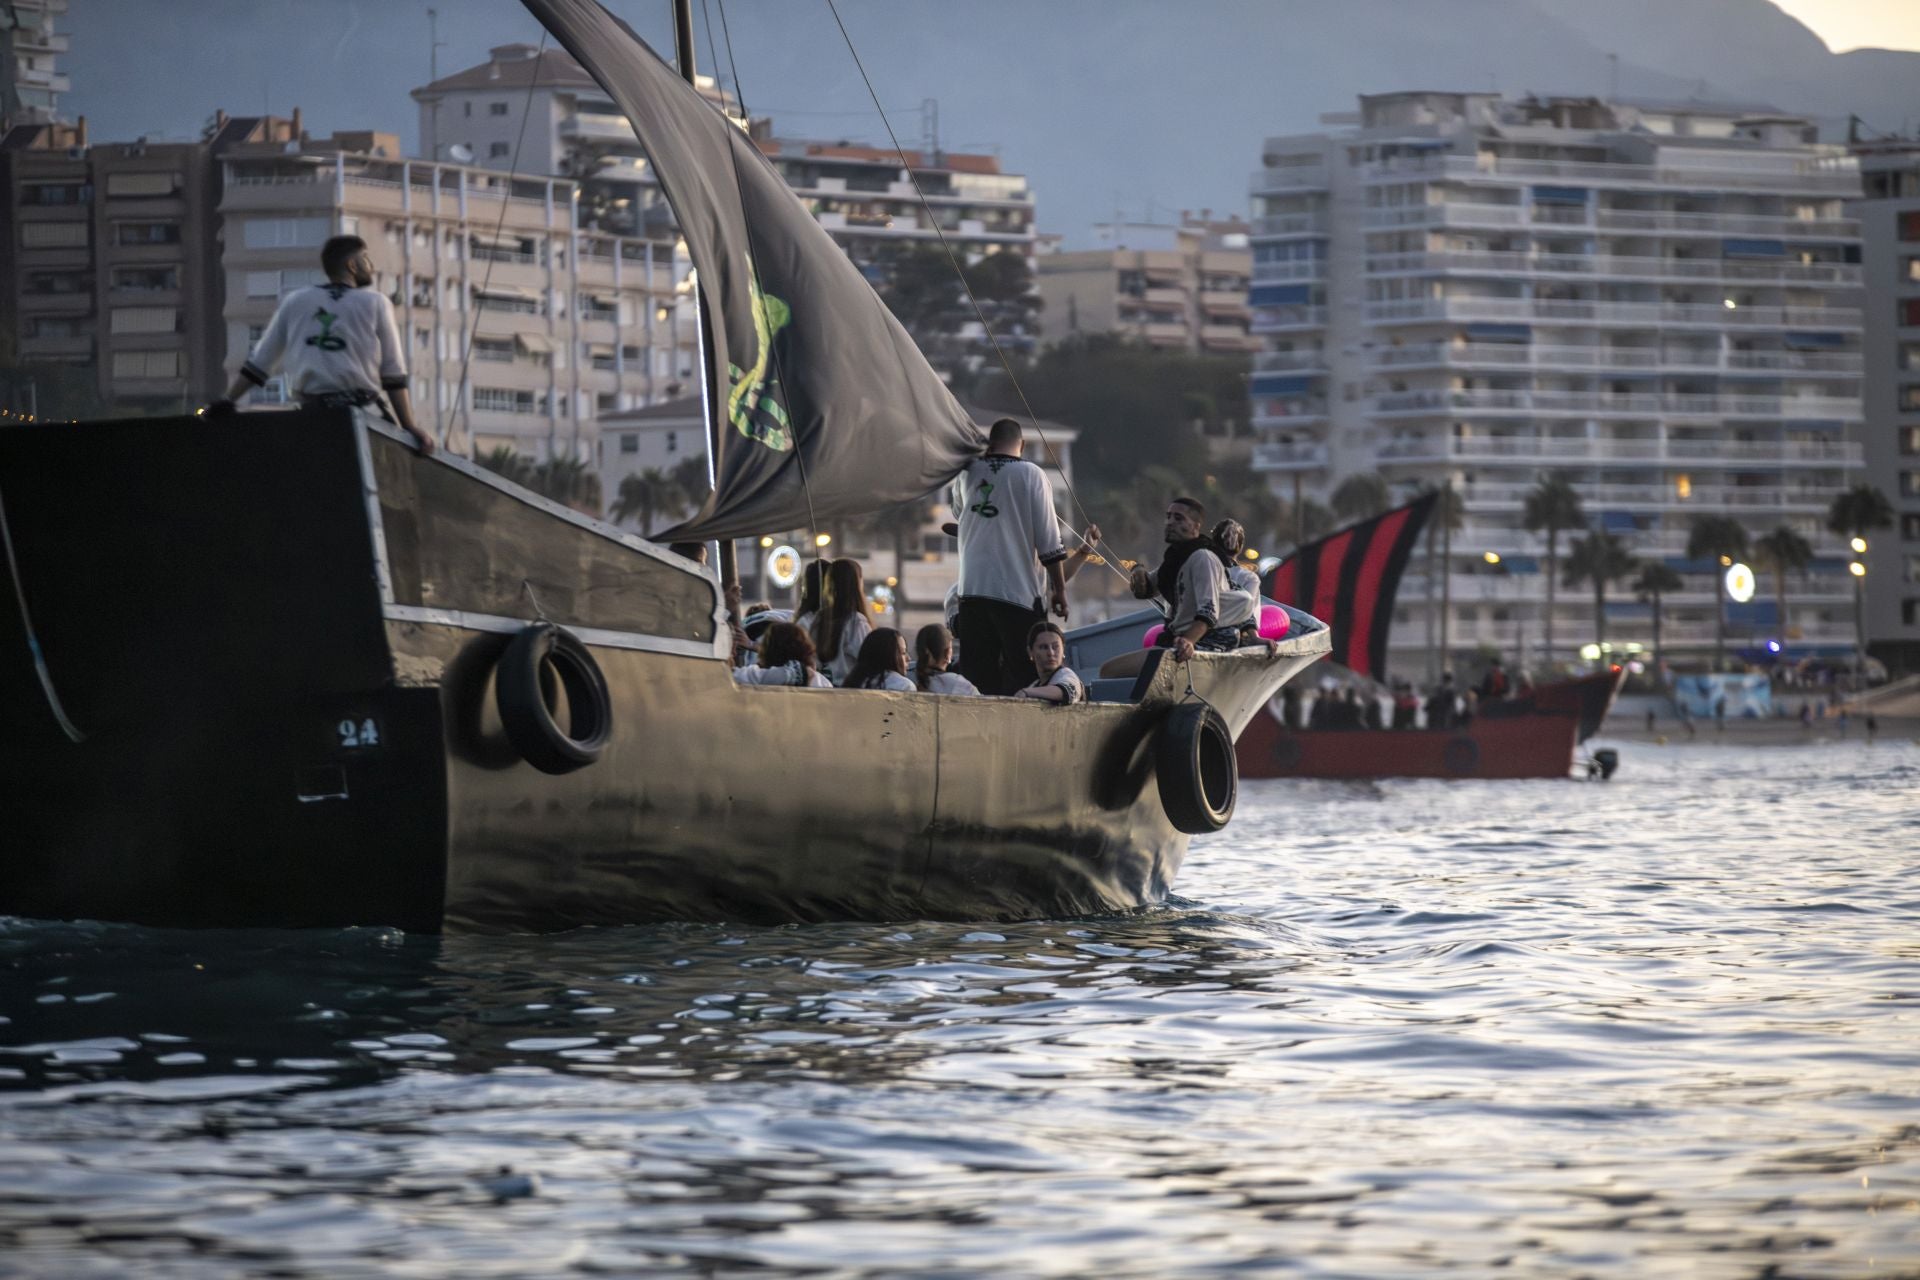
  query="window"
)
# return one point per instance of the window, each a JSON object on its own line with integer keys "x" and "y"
{"x": 673, "y": 442}
{"x": 629, "y": 442}
{"x": 44, "y": 283}
{"x": 132, "y": 233}
{"x": 497, "y": 149}
{"x": 1911, "y": 569}
{"x": 146, "y": 319}
{"x": 1909, "y": 613}
{"x": 496, "y": 108}
{"x": 423, "y": 338}
{"x": 1910, "y": 484}
{"x": 124, "y": 185}
{"x": 606, "y": 402}
{"x": 263, "y": 284}
{"x": 503, "y": 400}
{"x": 1908, "y": 311}
{"x": 146, "y": 364}
{"x": 1910, "y": 225}
{"x": 56, "y": 194}
{"x": 1910, "y": 270}
{"x": 1909, "y": 355}
{"x": 255, "y": 332}
{"x": 468, "y": 108}
{"x": 53, "y": 235}
{"x": 57, "y": 327}
{"x": 285, "y": 233}
{"x": 1910, "y": 528}
{"x": 1910, "y": 397}
{"x": 146, "y": 279}
{"x": 1910, "y": 440}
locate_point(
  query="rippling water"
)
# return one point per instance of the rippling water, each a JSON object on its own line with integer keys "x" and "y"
{"x": 1665, "y": 1026}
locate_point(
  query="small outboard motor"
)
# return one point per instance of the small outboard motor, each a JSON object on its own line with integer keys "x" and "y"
{"x": 1604, "y": 762}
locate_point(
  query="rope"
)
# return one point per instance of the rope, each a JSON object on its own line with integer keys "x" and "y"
{"x": 972, "y": 301}
{"x": 486, "y": 279}
{"x": 33, "y": 638}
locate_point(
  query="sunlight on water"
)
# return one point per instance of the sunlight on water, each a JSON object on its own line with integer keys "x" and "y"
{"x": 1666, "y": 1026}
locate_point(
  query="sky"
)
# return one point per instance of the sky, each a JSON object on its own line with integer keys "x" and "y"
{"x": 1860, "y": 24}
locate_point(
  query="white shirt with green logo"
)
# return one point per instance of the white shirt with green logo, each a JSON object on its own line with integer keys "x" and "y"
{"x": 331, "y": 337}
{"x": 1008, "y": 529}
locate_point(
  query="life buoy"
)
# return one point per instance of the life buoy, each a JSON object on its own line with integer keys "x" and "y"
{"x": 520, "y": 688}
{"x": 1199, "y": 774}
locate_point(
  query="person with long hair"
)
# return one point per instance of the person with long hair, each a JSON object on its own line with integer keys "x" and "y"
{"x": 813, "y": 582}
{"x": 932, "y": 655}
{"x": 1057, "y": 682}
{"x": 882, "y": 663}
{"x": 786, "y": 658}
{"x": 841, "y": 626}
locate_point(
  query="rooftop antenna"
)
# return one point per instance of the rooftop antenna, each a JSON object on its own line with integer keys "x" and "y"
{"x": 930, "y": 131}
{"x": 1613, "y": 77}
{"x": 433, "y": 75}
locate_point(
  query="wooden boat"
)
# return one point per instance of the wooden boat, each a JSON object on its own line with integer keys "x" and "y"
{"x": 1535, "y": 735}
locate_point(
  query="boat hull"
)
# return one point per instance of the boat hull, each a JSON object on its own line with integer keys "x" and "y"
{"x": 279, "y": 637}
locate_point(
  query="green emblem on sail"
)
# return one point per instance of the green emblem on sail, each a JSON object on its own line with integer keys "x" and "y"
{"x": 753, "y": 398}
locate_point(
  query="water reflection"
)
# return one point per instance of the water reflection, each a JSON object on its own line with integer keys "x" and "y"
{"x": 1664, "y": 1026}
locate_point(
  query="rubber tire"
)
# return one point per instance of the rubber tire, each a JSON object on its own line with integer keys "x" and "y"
{"x": 524, "y": 714}
{"x": 1198, "y": 771}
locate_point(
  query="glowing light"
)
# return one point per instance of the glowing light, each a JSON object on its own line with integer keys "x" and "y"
{"x": 1729, "y": 304}
{"x": 1740, "y": 583}
{"x": 822, "y": 539}
{"x": 1491, "y": 557}
{"x": 1726, "y": 561}
{"x": 1683, "y": 486}
{"x": 1857, "y": 569}
{"x": 1859, "y": 546}
{"x": 1773, "y": 646}
{"x": 765, "y": 541}
{"x": 893, "y": 582}
{"x": 783, "y": 566}
{"x": 1591, "y": 652}
{"x": 1251, "y": 554}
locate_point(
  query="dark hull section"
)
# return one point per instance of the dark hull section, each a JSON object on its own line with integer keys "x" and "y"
{"x": 279, "y": 636}
{"x": 1533, "y": 736}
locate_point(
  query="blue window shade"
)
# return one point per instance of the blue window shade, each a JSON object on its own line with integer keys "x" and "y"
{"x": 1500, "y": 332}
{"x": 1813, "y": 341}
{"x": 1275, "y": 295}
{"x": 1754, "y": 248}
{"x": 1560, "y": 195}
{"x": 1268, "y": 384}
{"x": 1617, "y": 521}
{"x": 1520, "y": 564}
{"x": 1754, "y": 613}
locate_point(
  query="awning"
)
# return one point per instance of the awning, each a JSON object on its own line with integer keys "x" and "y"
{"x": 1559, "y": 195}
{"x": 1500, "y": 332}
{"x": 1267, "y": 384}
{"x": 513, "y": 243}
{"x": 1807, "y": 341}
{"x": 506, "y": 291}
{"x": 533, "y": 342}
{"x": 1754, "y": 248}
{"x": 1277, "y": 295}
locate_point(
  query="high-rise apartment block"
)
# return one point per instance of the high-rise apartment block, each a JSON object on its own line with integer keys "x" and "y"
{"x": 1889, "y": 213}
{"x": 1661, "y": 301}
{"x": 31, "y": 81}
{"x": 1181, "y": 287}
{"x": 521, "y": 327}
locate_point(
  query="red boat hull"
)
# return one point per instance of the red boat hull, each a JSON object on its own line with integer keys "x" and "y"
{"x": 1533, "y": 736}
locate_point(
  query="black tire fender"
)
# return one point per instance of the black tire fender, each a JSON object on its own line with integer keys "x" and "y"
{"x": 1198, "y": 771}
{"x": 520, "y": 683}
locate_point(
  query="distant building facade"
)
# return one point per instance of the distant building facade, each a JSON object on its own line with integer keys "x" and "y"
{"x": 1659, "y": 300}
{"x": 1182, "y": 287}
{"x": 31, "y": 81}
{"x": 1889, "y": 214}
{"x": 521, "y": 327}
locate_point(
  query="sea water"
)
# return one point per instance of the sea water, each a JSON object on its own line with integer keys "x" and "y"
{"x": 1663, "y": 1026}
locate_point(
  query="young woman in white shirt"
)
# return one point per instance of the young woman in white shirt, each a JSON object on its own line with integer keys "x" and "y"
{"x": 882, "y": 663}
{"x": 786, "y": 658}
{"x": 841, "y": 626}
{"x": 1047, "y": 646}
{"x": 932, "y": 655}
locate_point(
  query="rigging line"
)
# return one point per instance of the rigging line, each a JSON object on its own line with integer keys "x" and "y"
{"x": 486, "y": 279}
{"x": 739, "y": 190}
{"x": 33, "y": 638}
{"x": 974, "y": 302}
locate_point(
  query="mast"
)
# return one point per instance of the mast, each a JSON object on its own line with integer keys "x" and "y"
{"x": 729, "y": 559}
{"x": 1446, "y": 572}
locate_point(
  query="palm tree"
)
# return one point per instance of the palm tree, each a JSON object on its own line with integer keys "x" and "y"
{"x": 508, "y": 463}
{"x": 644, "y": 494}
{"x": 1656, "y": 580}
{"x": 1717, "y": 539}
{"x": 1360, "y": 495}
{"x": 1784, "y": 551}
{"x": 569, "y": 482}
{"x": 1552, "y": 506}
{"x": 690, "y": 473}
{"x": 1859, "y": 511}
{"x": 1598, "y": 558}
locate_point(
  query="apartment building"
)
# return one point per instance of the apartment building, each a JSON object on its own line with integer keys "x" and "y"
{"x": 860, "y": 194}
{"x": 111, "y": 263}
{"x": 1660, "y": 300}
{"x": 31, "y": 81}
{"x": 1181, "y": 286}
{"x": 1889, "y": 214}
{"x": 521, "y": 326}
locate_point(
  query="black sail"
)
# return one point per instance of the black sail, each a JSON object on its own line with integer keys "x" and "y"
{"x": 816, "y": 381}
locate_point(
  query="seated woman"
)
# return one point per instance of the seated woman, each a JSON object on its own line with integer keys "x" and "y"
{"x": 786, "y": 657}
{"x": 933, "y": 654}
{"x": 1047, "y": 646}
{"x": 881, "y": 664}
{"x": 841, "y": 626}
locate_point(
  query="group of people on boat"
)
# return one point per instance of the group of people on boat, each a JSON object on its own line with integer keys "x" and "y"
{"x": 1446, "y": 706}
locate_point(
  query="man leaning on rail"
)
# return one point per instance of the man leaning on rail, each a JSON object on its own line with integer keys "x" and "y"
{"x": 338, "y": 342}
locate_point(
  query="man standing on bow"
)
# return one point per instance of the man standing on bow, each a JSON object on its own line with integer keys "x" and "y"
{"x": 1010, "y": 552}
{"x": 339, "y": 344}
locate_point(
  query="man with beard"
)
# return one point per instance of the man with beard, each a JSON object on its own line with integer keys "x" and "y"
{"x": 338, "y": 342}
{"x": 1204, "y": 612}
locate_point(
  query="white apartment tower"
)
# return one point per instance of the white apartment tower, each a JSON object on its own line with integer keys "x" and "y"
{"x": 1661, "y": 301}
{"x": 31, "y": 80}
{"x": 1889, "y": 213}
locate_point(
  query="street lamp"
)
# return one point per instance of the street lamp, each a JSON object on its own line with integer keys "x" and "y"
{"x": 1491, "y": 557}
{"x": 1858, "y": 569}
{"x": 1859, "y": 546}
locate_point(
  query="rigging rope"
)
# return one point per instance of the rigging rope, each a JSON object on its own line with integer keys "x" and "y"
{"x": 972, "y": 301}
{"x": 33, "y": 638}
{"x": 486, "y": 279}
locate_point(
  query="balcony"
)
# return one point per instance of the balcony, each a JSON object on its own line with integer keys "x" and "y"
{"x": 1505, "y": 355}
{"x": 1651, "y": 451}
{"x": 1288, "y": 318}
{"x": 1728, "y": 224}
{"x": 1297, "y": 177}
{"x": 1290, "y": 361}
{"x": 1281, "y": 272}
{"x": 1283, "y": 414}
{"x": 1574, "y": 311}
{"x": 598, "y": 127}
{"x": 1289, "y": 457}
{"x": 1608, "y": 266}
{"x": 1454, "y": 214}
{"x": 1451, "y": 403}
{"x": 1219, "y": 302}
{"x": 1805, "y": 176}
{"x": 1804, "y": 500}
{"x": 1290, "y": 224}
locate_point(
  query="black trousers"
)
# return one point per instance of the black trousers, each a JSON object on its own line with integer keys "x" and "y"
{"x": 992, "y": 637}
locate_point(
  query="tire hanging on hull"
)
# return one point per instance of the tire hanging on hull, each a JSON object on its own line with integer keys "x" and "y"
{"x": 1198, "y": 771}
{"x": 521, "y": 681}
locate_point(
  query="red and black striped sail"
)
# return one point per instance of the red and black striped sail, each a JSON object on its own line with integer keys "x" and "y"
{"x": 1349, "y": 579}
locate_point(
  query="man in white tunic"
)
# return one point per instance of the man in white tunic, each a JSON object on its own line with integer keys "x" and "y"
{"x": 338, "y": 342}
{"x": 1010, "y": 552}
